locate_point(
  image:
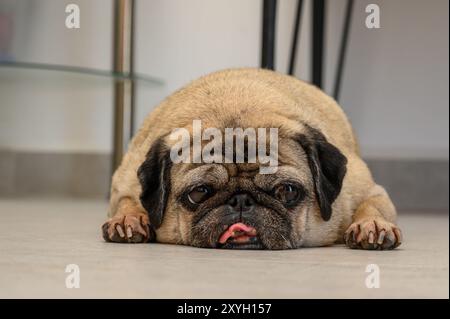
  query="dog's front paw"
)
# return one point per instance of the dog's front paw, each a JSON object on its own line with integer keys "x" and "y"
{"x": 128, "y": 229}
{"x": 373, "y": 233}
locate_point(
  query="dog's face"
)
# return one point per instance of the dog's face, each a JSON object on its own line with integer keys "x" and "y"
{"x": 233, "y": 205}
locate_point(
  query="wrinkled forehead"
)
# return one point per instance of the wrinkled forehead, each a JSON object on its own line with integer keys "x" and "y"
{"x": 292, "y": 165}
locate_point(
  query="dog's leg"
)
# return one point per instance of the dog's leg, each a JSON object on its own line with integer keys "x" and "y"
{"x": 373, "y": 224}
{"x": 129, "y": 224}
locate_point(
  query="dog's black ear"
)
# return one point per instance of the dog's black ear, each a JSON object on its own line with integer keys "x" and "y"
{"x": 328, "y": 168}
{"x": 154, "y": 176}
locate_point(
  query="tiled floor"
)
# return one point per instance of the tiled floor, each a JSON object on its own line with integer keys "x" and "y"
{"x": 39, "y": 238}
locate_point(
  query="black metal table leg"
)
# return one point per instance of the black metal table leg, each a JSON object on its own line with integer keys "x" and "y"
{"x": 124, "y": 88}
{"x": 268, "y": 34}
{"x": 343, "y": 49}
{"x": 295, "y": 37}
{"x": 318, "y": 41}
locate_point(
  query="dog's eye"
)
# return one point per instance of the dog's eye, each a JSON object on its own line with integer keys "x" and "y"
{"x": 287, "y": 193}
{"x": 199, "y": 194}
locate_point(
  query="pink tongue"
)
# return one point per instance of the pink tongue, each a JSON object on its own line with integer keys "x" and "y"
{"x": 238, "y": 227}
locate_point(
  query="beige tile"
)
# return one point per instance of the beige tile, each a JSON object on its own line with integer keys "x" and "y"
{"x": 7, "y": 173}
{"x": 38, "y": 238}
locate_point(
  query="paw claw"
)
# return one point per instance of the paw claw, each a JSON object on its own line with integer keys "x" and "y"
{"x": 381, "y": 237}
{"x": 351, "y": 236}
{"x": 371, "y": 238}
{"x": 398, "y": 234}
{"x": 120, "y": 231}
{"x": 129, "y": 232}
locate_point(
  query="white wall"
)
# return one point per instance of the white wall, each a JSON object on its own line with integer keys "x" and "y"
{"x": 57, "y": 111}
{"x": 179, "y": 41}
{"x": 41, "y": 35}
{"x": 395, "y": 87}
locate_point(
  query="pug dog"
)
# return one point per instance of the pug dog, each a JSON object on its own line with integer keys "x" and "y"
{"x": 321, "y": 192}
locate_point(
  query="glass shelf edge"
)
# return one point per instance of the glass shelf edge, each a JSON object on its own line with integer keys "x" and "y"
{"x": 82, "y": 70}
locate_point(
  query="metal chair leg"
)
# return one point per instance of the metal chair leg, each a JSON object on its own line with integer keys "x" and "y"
{"x": 318, "y": 41}
{"x": 343, "y": 50}
{"x": 268, "y": 34}
{"x": 123, "y": 88}
{"x": 295, "y": 37}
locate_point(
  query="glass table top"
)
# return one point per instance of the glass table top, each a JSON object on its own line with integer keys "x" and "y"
{"x": 60, "y": 72}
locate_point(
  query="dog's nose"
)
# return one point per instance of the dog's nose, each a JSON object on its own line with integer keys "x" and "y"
{"x": 241, "y": 203}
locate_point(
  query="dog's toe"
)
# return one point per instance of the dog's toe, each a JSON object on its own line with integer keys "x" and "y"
{"x": 128, "y": 229}
{"x": 373, "y": 234}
